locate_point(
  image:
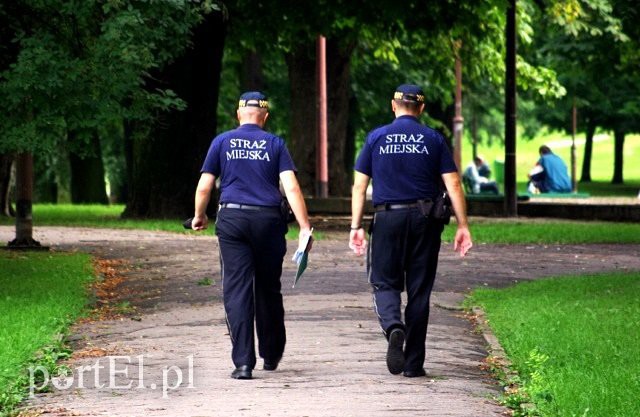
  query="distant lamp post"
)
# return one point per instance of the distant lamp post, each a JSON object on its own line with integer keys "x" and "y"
{"x": 322, "y": 163}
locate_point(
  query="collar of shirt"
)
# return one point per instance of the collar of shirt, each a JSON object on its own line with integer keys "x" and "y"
{"x": 406, "y": 117}
{"x": 249, "y": 126}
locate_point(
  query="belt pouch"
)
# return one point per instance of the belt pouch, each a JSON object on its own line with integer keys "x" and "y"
{"x": 425, "y": 207}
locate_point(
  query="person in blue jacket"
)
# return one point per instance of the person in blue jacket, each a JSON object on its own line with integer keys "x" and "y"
{"x": 550, "y": 173}
{"x": 251, "y": 228}
{"x": 409, "y": 165}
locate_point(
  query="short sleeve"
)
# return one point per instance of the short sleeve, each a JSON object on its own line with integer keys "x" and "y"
{"x": 212, "y": 161}
{"x": 447, "y": 164}
{"x": 363, "y": 163}
{"x": 285, "y": 162}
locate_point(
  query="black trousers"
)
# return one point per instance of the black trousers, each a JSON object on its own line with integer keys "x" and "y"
{"x": 252, "y": 247}
{"x": 403, "y": 253}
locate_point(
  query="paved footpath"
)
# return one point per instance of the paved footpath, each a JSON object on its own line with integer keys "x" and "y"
{"x": 175, "y": 350}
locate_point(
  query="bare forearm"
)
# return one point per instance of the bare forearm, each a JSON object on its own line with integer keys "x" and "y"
{"x": 358, "y": 198}
{"x": 202, "y": 201}
{"x": 299, "y": 208}
{"x": 357, "y": 207}
{"x": 203, "y": 193}
{"x": 296, "y": 199}
{"x": 454, "y": 187}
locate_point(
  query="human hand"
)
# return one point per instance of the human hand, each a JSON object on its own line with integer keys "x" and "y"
{"x": 302, "y": 238}
{"x": 357, "y": 241}
{"x": 200, "y": 222}
{"x": 462, "y": 241}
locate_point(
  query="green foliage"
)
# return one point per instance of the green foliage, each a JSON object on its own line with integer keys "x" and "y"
{"x": 81, "y": 66}
{"x": 41, "y": 294}
{"x": 571, "y": 339}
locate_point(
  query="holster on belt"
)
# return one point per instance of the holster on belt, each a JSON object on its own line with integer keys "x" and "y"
{"x": 425, "y": 206}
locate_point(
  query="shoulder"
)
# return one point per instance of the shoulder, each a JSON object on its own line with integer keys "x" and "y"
{"x": 274, "y": 139}
{"x": 222, "y": 136}
{"x": 377, "y": 132}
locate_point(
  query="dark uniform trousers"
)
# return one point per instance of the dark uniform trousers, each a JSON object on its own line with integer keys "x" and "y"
{"x": 252, "y": 247}
{"x": 403, "y": 252}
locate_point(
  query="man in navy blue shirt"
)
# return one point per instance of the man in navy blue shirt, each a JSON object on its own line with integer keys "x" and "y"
{"x": 408, "y": 163}
{"x": 251, "y": 228}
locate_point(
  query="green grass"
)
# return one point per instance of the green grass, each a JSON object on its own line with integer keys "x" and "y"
{"x": 547, "y": 231}
{"x": 573, "y": 340}
{"x": 601, "y": 163}
{"x": 40, "y": 296}
{"x": 102, "y": 216}
{"x": 90, "y": 215}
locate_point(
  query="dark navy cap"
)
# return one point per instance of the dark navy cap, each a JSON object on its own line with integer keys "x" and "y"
{"x": 253, "y": 99}
{"x": 409, "y": 92}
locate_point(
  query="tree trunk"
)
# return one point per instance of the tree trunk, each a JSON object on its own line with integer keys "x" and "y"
{"x": 301, "y": 63}
{"x": 618, "y": 157}
{"x": 87, "y": 174}
{"x": 338, "y": 97}
{"x": 252, "y": 76}
{"x": 24, "y": 203}
{"x": 302, "y": 73}
{"x": 6, "y": 162}
{"x": 588, "y": 152}
{"x": 165, "y": 163}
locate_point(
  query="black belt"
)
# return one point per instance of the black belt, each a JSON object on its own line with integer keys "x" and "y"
{"x": 389, "y": 206}
{"x": 247, "y": 206}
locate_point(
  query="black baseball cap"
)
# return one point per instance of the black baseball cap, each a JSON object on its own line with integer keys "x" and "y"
{"x": 409, "y": 92}
{"x": 253, "y": 99}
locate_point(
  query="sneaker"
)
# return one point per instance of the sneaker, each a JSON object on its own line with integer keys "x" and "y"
{"x": 395, "y": 354}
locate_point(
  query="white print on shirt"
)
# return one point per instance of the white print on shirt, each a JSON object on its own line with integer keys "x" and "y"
{"x": 253, "y": 150}
{"x": 403, "y": 143}
{"x": 403, "y": 138}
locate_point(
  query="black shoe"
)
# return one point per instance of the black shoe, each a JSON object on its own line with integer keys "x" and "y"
{"x": 414, "y": 374}
{"x": 271, "y": 365}
{"x": 241, "y": 372}
{"x": 395, "y": 355}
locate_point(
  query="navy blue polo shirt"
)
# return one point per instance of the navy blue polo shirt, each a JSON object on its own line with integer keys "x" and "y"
{"x": 405, "y": 160}
{"x": 248, "y": 161}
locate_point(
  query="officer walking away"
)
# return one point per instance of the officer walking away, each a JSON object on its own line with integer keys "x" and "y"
{"x": 251, "y": 228}
{"x": 408, "y": 163}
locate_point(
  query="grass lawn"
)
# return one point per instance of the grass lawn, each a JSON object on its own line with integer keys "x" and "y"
{"x": 40, "y": 296}
{"x": 601, "y": 163}
{"x": 95, "y": 215}
{"x": 102, "y": 216}
{"x": 573, "y": 340}
{"x": 547, "y": 231}
{"x": 484, "y": 230}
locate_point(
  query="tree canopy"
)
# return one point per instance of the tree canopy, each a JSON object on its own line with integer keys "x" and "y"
{"x": 108, "y": 78}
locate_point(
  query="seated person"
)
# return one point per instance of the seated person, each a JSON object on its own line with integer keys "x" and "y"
{"x": 549, "y": 175}
{"x": 483, "y": 168}
{"x": 478, "y": 183}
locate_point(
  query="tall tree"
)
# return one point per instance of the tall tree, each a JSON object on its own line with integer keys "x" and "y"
{"x": 167, "y": 156}
{"x": 583, "y": 43}
{"x": 80, "y": 69}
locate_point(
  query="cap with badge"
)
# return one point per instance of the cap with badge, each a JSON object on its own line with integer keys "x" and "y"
{"x": 253, "y": 99}
{"x": 409, "y": 92}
